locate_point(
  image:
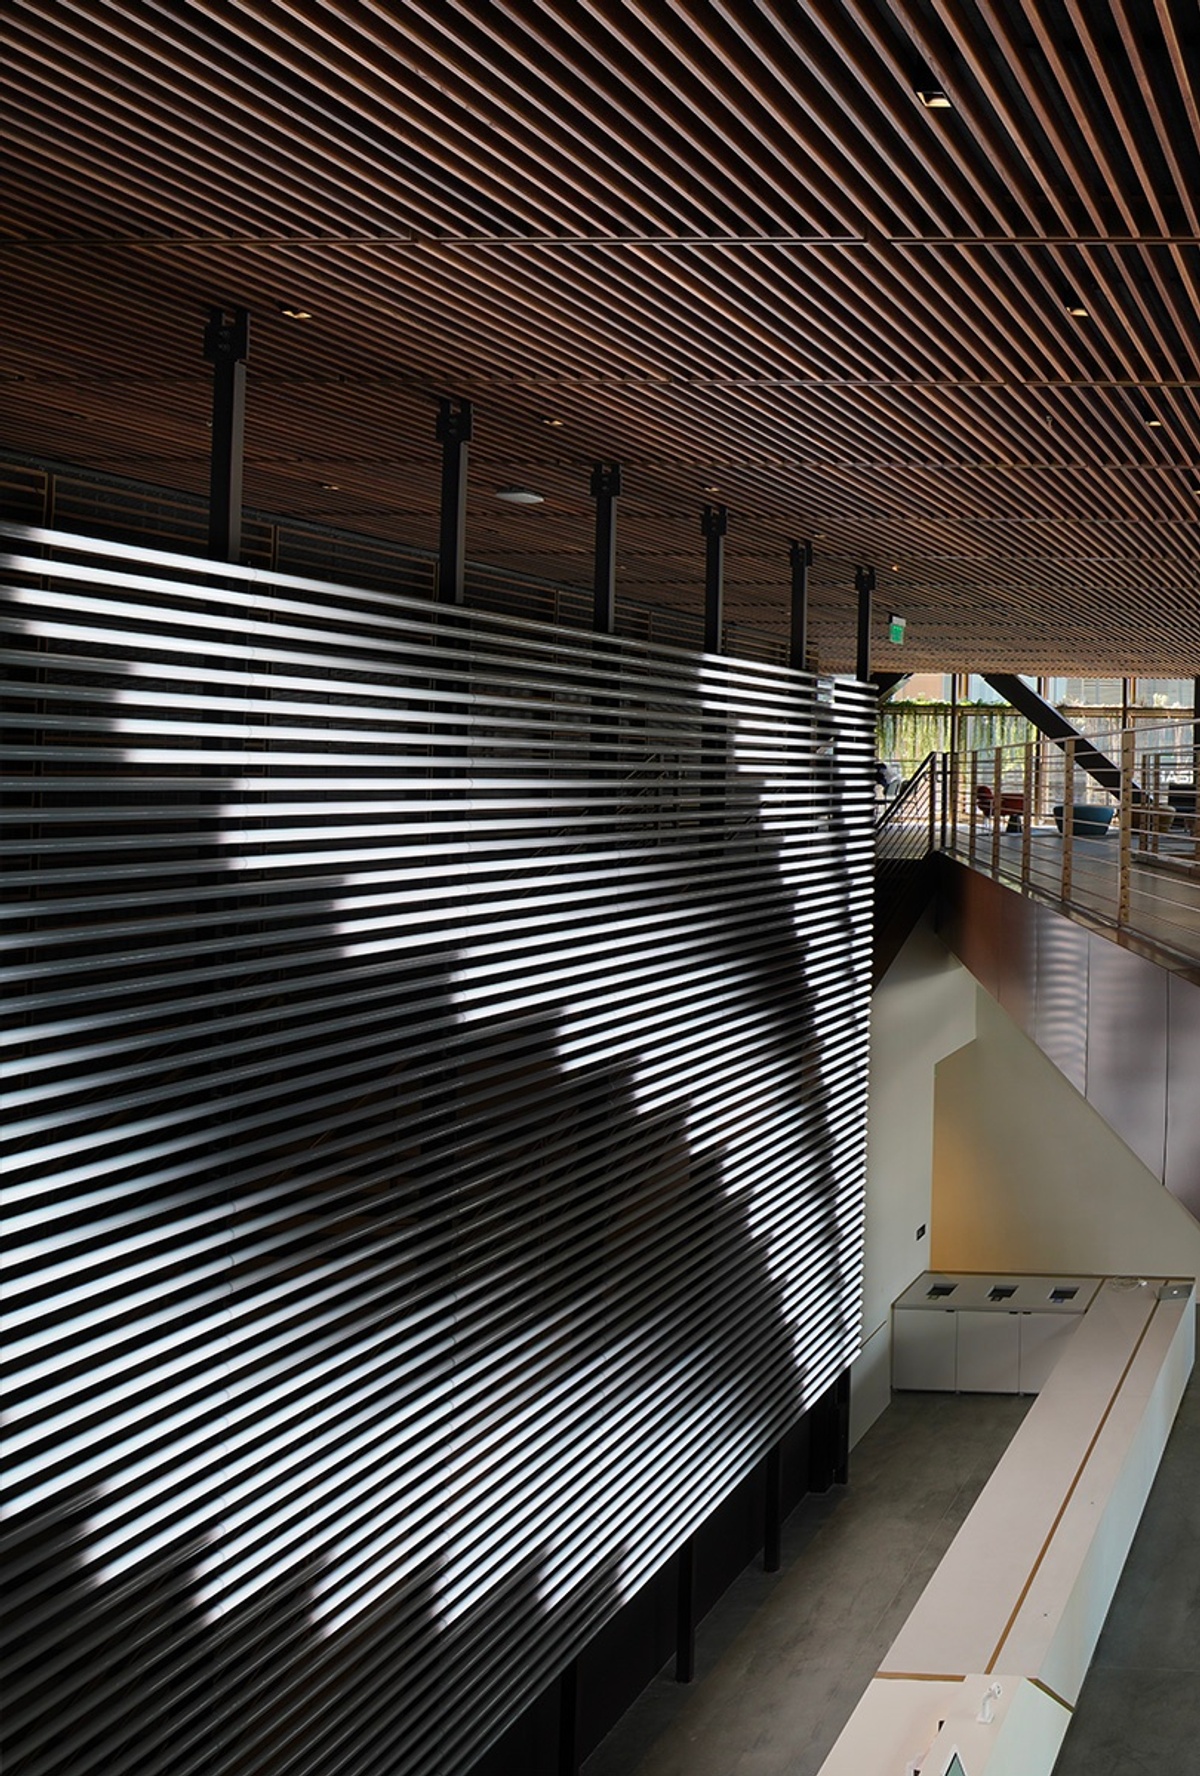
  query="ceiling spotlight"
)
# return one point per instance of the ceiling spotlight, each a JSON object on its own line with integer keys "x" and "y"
{"x": 520, "y": 496}
{"x": 332, "y": 486}
{"x": 1078, "y": 310}
{"x": 294, "y": 312}
{"x": 554, "y": 422}
{"x": 1154, "y": 422}
{"x": 934, "y": 99}
{"x": 712, "y": 490}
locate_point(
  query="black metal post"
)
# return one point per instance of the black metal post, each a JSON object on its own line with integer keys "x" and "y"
{"x": 568, "y": 1721}
{"x": 864, "y": 585}
{"x": 227, "y": 346}
{"x": 829, "y": 1437}
{"x": 1194, "y": 823}
{"x": 713, "y": 526}
{"x": 454, "y": 436}
{"x": 685, "y": 1614}
{"x": 773, "y": 1517}
{"x": 841, "y": 1400}
{"x": 606, "y": 488}
{"x": 800, "y": 556}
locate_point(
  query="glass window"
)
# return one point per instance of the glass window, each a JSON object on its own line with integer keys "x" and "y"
{"x": 979, "y": 691}
{"x": 1087, "y": 693}
{"x": 1163, "y": 693}
{"x": 924, "y": 687}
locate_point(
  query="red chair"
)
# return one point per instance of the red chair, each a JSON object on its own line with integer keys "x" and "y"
{"x": 1012, "y": 805}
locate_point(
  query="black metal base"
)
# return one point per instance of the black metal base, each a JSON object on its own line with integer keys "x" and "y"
{"x": 657, "y": 1627}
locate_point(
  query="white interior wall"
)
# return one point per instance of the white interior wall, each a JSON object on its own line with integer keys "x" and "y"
{"x": 922, "y": 1009}
{"x": 1028, "y": 1177}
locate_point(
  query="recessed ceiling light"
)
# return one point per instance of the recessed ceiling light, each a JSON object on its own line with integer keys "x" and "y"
{"x": 934, "y": 99}
{"x": 332, "y": 486}
{"x": 1154, "y": 422}
{"x": 1078, "y": 310}
{"x": 554, "y": 422}
{"x": 294, "y": 312}
{"x": 520, "y": 496}
{"x": 712, "y": 490}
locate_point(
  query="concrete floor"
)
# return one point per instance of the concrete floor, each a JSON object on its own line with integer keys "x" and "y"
{"x": 1140, "y": 1706}
{"x": 783, "y": 1659}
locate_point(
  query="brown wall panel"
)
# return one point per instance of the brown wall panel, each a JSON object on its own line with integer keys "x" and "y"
{"x": 1060, "y": 1025}
{"x": 1016, "y": 958}
{"x": 1105, "y": 1016}
{"x": 1127, "y": 1047}
{"x": 966, "y": 920}
{"x": 1182, "y": 1173}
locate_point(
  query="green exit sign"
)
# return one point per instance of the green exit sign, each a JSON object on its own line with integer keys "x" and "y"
{"x": 896, "y": 627}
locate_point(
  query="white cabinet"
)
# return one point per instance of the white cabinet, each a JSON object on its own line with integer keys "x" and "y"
{"x": 975, "y": 1334}
{"x": 988, "y": 1352}
{"x": 1043, "y": 1339}
{"x": 924, "y": 1350}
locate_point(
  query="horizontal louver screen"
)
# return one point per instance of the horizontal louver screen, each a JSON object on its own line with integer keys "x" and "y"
{"x": 434, "y": 1154}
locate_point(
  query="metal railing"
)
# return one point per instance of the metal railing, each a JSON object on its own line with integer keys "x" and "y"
{"x": 1120, "y": 847}
{"x": 908, "y": 830}
{"x": 907, "y": 826}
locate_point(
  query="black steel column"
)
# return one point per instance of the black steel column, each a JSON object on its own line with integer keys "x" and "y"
{"x": 773, "y": 1518}
{"x": 227, "y": 346}
{"x": 800, "y": 556}
{"x": 568, "y": 1721}
{"x": 454, "y": 436}
{"x": 685, "y": 1614}
{"x": 713, "y": 526}
{"x": 829, "y": 1437}
{"x": 606, "y": 488}
{"x": 864, "y": 585}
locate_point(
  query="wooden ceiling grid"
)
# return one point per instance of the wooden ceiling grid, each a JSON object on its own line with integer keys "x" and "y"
{"x": 723, "y": 244}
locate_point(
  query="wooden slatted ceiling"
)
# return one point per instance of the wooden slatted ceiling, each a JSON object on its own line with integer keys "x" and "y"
{"x": 724, "y": 245}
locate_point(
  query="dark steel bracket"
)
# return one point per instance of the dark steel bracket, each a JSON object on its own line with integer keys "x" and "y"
{"x": 713, "y": 526}
{"x": 453, "y": 432}
{"x": 227, "y": 346}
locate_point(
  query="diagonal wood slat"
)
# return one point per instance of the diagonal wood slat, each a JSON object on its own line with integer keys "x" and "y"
{"x": 724, "y": 245}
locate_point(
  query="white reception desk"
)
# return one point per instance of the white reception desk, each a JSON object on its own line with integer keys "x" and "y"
{"x": 1020, "y": 1597}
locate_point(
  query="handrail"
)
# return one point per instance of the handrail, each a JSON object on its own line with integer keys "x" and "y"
{"x": 908, "y": 791}
{"x": 906, "y": 837}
